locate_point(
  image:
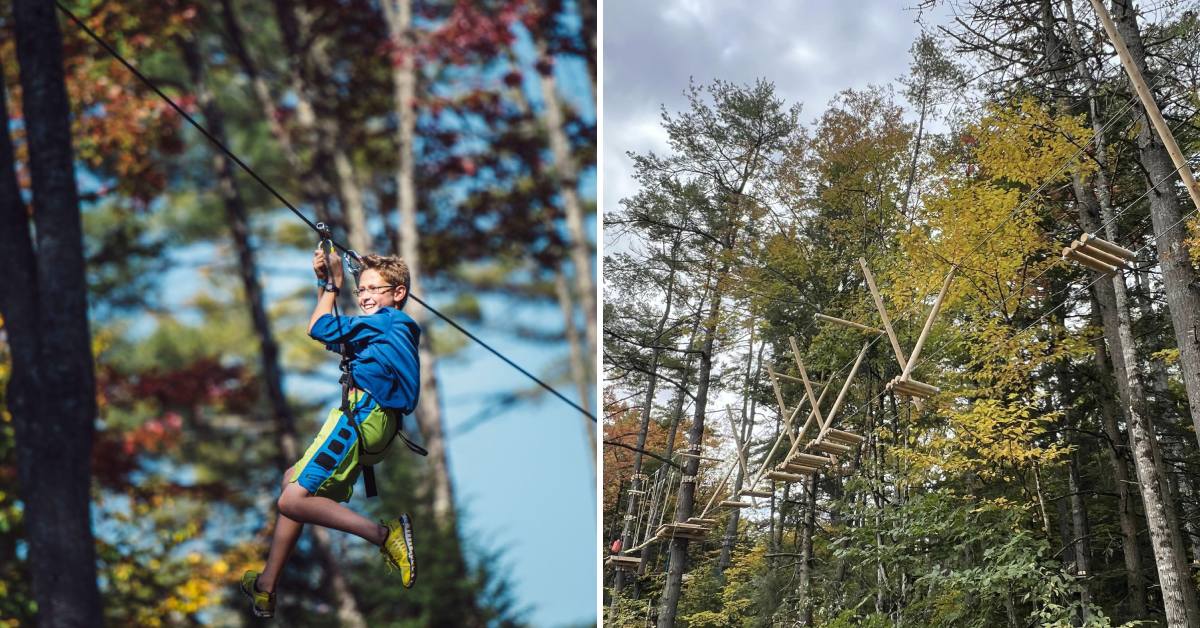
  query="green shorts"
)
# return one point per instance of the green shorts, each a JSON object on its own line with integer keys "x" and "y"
{"x": 331, "y": 465}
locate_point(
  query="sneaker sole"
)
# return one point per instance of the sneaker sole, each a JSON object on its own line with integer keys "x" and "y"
{"x": 253, "y": 608}
{"x": 406, "y": 526}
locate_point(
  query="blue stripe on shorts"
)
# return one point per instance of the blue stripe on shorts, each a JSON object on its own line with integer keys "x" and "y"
{"x": 342, "y": 438}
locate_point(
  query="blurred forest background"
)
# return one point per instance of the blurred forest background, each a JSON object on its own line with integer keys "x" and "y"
{"x": 458, "y": 134}
{"x": 1055, "y": 480}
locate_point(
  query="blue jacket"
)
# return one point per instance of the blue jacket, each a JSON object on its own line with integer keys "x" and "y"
{"x": 383, "y": 350}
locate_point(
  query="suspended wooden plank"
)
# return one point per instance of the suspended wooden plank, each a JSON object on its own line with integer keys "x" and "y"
{"x": 810, "y": 459}
{"x": 756, "y": 493}
{"x": 844, "y": 437}
{"x": 791, "y": 467}
{"x": 913, "y": 388}
{"x": 623, "y": 562}
{"x": 688, "y": 454}
{"x": 797, "y": 379}
{"x": 729, "y": 503}
{"x": 830, "y": 447}
{"x": 679, "y": 529}
{"x": 784, "y": 476}
{"x": 707, "y": 523}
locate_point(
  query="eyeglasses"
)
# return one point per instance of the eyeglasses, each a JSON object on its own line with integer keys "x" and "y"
{"x": 371, "y": 290}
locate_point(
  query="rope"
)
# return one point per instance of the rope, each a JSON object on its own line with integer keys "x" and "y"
{"x": 250, "y": 171}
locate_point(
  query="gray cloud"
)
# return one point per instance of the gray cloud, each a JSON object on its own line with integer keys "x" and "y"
{"x": 810, "y": 50}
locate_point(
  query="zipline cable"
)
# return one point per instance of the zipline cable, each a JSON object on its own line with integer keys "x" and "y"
{"x": 250, "y": 171}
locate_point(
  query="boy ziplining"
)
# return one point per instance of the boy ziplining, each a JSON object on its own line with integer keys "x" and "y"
{"x": 386, "y": 375}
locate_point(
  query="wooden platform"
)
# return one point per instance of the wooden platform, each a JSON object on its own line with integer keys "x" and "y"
{"x": 690, "y": 531}
{"x": 622, "y": 562}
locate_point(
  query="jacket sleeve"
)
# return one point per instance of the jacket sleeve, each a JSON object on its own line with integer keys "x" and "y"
{"x": 331, "y": 329}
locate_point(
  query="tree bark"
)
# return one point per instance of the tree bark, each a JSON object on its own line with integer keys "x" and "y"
{"x": 579, "y": 369}
{"x": 1179, "y": 278}
{"x": 1118, "y": 454}
{"x": 687, "y": 488}
{"x": 568, "y": 179}
{"x": 647, "y": 406}
{"x": 52, "y": 390}
{"x": 429, "y": 411}
{"x": 747, "y": 426}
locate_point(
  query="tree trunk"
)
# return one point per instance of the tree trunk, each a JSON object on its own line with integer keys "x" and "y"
{"x": 52, "y": 390}
{"x": 568, "y": 182}
{"x": 429, "y": 412}
{"x": 285, "y": 425}
{"x": 647, "y": 406}
{"x": 687, "y": 487}
{"x": 1179, "y": 278}
{"x": 747, "y": 423}
{"x": 579, "y": 370}
{"x": 803, "y": 588}
{"x": 1118, "y": 455}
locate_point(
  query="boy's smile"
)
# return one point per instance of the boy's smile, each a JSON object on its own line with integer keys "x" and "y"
{"x": 375, "y": 292}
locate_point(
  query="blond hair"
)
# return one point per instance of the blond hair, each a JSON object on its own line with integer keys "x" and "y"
{"x": 392, "y": 269}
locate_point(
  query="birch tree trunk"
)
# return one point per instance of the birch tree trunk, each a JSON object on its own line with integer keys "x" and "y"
{"x": 568, "y": 179}
{"x": 1179, "y": 278}
{"x": 429, "y": 411}
{"x": 579, "y": 369}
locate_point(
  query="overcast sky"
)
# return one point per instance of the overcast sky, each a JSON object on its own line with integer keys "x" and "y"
{"x": 810, "y": 50}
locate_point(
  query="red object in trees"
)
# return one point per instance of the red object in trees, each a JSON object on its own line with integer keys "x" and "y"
{"x": 616, "y": 546}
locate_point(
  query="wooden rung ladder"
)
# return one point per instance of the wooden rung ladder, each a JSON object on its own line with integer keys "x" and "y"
{"x": 1097, "y": 254}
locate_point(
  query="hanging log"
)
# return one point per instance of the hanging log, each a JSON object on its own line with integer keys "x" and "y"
{"x": 1112, "y": 248}
{"x": 1089, "y": 261}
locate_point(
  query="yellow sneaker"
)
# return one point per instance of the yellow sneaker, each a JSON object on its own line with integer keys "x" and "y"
{"x": 397, "y": 549}
{"x": 261, "y": 602}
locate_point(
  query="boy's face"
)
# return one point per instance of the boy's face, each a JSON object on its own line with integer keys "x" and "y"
{"x": 375, "y": 292}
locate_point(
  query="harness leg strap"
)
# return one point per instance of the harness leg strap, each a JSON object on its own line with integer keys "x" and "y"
{"x": 368, "y": 473}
